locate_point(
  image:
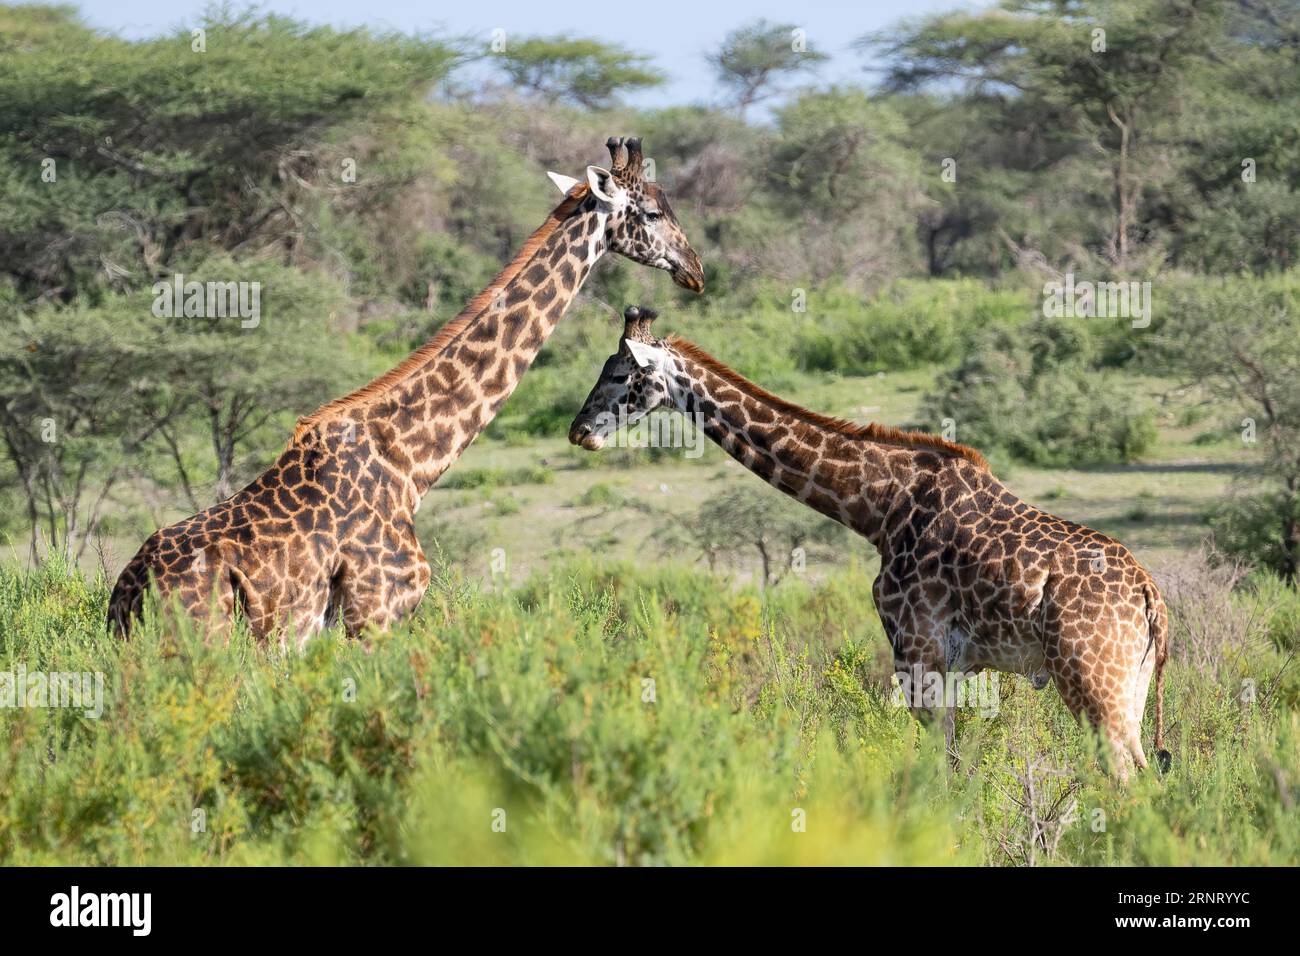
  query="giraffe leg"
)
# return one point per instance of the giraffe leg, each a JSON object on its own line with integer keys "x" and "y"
{"x": 921, "y": 673}
{"x": 918, "y": 640}
{"x": 1095, "y": 665}
{"x": 1142, "y": 672}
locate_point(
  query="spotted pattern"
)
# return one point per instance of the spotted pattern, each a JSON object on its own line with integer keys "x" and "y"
{"x": 327, "y": 533}
{"x": 971, "y": 576}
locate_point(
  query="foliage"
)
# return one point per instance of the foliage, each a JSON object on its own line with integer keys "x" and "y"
{"x": 1239, "y": 340}
{"x": 496, "y": 477}
{"x": 615, "y": 716}
{"x": 91, "y": 390}
{"x": 378, "y": 186}
{"x": 585, "y": 72}
{"x": 754, "y": 523}
{"x": 72, "y": 415}
{"x": 1048, "y": 89}
{"x": 157, "y": 145}
{"x": 1038, "y": 394}
{"x": 906, "y": 325}
{"x": 653, "y": 713}
{"x": 755, "y": 57}
{"x": 1257, "y": 528}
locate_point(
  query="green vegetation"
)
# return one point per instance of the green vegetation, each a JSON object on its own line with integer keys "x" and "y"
{"x": 496, "y": 477}
{"x": 315, "y": 162}
{"x": 615, "y": 716}
{"x": 1038, "y": 394}
{"x": 586, "y": 72}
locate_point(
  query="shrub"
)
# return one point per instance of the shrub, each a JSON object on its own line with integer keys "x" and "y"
{"x": 1250, "y": 527}
{"x": 601, "y": 494}
{"x": 1211, "y": 618}
{"x": 908, "y": 324}
{"x": 1038, "y": 395}
{"x": 496, "y": 477}
{"x": 639, "y": 713}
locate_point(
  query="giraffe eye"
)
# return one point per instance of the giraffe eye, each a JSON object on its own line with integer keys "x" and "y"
{"x": 651, "y": 215}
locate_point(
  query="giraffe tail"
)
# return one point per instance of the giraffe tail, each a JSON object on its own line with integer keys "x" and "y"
{"x": 1158, "y": 629}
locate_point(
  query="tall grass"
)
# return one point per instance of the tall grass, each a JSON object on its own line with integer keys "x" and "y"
{"x": 602, "y": 715}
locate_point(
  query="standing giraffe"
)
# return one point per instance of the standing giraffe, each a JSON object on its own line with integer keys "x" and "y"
{"x": 327, "y": 532}
{"x": 971, "y": 577}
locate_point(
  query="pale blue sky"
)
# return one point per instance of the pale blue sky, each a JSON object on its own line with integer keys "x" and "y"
{"x": 676, "y": 33}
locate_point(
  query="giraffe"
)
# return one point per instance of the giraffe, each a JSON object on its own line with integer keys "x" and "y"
{"x": 971, "y": 577}
{"x": 327, "y": 532}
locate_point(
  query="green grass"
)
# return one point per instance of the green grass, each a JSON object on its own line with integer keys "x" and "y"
{"x": 615, "y": 714}
{"x": 496, "y": 477}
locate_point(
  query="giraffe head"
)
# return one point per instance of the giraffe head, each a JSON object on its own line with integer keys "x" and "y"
{"x": 640, "y": 224}
{"x": 636, "y": 380}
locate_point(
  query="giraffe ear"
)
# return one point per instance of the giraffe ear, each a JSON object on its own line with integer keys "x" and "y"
{"x": 644, "y": 355}
{"x": 564, "y": 183}
{"x": 599, "y": 180}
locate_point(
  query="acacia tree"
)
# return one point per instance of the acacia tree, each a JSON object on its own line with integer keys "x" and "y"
{"x": 1240, "y": 342}
{"x": 832, "y": 150}
{"x": 1103, "y": 74}
{"x": 75, "y": 410}
{"x": 576, "y": 70}
{"x": 124, "y": 163}
{"x": 241, "y": 382}
{"x": 753, "y": 59}
{"x": 96, "y": 394}
{"x": 752, "y": 521}
{"x": 117, "y": 156}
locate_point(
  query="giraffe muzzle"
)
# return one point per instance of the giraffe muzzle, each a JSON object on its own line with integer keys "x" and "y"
{"x": 581, "y": 434}
{"x": 689, "y": 273}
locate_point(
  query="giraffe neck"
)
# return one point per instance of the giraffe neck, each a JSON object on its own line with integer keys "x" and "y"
{"x": 444, "y": 407}
{"x": 834, "y": 467}
{"x": 425, "y": 412}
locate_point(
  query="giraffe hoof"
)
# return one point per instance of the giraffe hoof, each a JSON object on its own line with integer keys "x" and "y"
{"x": 1040, "y": 680}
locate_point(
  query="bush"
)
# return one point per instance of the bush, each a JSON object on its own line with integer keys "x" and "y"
{"x": 1038, "y": 395}
{"x": 1212, "y": 618}
{"x": 1249, "y": 527}
{"x": 495, "y": 477}
{"x": 599, "y": 495}
{"x": 909, "y": 324}
{"x": 617, "y": 713}
{"x": 1245, "y": 228}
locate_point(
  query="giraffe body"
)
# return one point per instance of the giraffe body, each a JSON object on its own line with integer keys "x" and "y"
{"x": 971, "y": 577}
{"x": 327, "y": 533}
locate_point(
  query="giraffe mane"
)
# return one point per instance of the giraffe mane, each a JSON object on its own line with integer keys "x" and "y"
{"x": 445, "y": 335}
{"x": 872, "y": 431}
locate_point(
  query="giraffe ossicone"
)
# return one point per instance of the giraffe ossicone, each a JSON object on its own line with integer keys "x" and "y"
{"x": 971, "y": 577}
{"x": 327, "y": 533}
